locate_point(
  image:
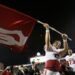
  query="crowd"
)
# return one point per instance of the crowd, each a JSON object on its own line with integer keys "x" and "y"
{"x": 28, "y": 69}
{"x": 34, "y": 69}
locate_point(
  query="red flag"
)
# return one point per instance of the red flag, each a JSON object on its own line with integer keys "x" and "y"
{"x": 15, "y": 28}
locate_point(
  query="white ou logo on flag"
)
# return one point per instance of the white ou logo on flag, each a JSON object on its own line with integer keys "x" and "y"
{"x": 6, "y": 38}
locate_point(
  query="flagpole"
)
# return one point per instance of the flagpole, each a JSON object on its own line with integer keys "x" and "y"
{"x": 38, "y": 21}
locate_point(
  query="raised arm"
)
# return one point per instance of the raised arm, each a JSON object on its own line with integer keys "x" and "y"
{"x": 47, "y": 36}
{"x": 65, "y": 44}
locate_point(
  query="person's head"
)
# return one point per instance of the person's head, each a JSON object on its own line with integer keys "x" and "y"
{"x": 33, "y": 62}
{"x": 70, "y": 52}
{"x": 57, "y": 44}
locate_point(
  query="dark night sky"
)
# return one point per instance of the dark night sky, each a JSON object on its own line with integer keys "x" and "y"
{"x": 58, "y": 13}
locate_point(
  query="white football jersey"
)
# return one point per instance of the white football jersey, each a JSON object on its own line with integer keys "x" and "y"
{"x": 71, "y": 61}
{"x": 52, "y": 53}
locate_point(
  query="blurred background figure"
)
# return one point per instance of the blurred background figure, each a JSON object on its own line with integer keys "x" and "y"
{"x": 1, "y": 67}
{"x": 34, "y": 69}
{"x": 70, "y": 59}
